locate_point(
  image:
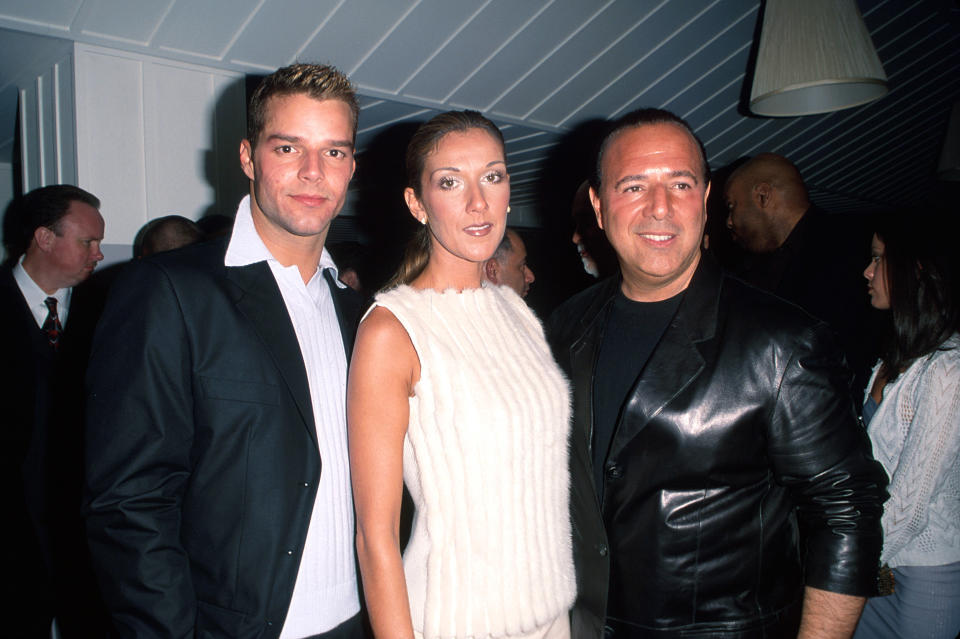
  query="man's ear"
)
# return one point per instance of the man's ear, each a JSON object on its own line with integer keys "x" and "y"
{"x": 246, "y": 158}
{"x": 415, "y": 206}
{"x": 595, "y": 201}
{"x": 491, "y": 269}
{"x": 762, "y": 192}
{"x": 44, "y": 237}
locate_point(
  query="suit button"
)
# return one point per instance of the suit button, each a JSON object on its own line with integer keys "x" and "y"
{"x": 614, "y": 471}
{"x": 306, "y": 484}
{"x": 602, "y": 549}
{"x": 289, "y": 552}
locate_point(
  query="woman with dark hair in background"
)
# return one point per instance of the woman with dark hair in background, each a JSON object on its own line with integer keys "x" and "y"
{"x": 453, "y": 390}
{"x": 912, "y": 408}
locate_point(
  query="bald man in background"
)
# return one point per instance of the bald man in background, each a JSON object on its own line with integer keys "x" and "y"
{"x": 508, "y": 264}
{"x": 166, "y": 234}
{"x": 802, "y": 253}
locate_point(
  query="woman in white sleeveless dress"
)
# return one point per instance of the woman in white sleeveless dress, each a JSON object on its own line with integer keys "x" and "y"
{"x": 453, "y": 391}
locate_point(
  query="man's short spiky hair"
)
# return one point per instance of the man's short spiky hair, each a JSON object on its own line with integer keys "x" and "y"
{"x": 319, "y": 81}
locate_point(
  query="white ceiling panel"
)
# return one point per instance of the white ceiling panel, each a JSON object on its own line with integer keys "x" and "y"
{"x": 628, "y": 45}
{"x": 55, "y": 15}
{"x": 131, "y": 21}
{"x": 544, "y": 70}
{"x": 415, "y": 39}
{"x": 203, "y": 28}
{"x": 500, "y": 73}
{"x": 353, "y": 32}
{"x": 642, "y": 88}
{"x": 276, "y": 33}
{"x": 468, "y": 48}
{"x": 567, "y": 59}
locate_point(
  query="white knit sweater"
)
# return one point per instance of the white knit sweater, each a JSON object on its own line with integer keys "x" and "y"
{"x": 485, "y": 460}
{"x": 916, "y": 436}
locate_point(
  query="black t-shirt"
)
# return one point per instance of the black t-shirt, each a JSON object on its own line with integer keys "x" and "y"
{"x": 632, "y": 332}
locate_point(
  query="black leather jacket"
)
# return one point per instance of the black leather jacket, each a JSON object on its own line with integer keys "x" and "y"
{"x": 737, "y": 473}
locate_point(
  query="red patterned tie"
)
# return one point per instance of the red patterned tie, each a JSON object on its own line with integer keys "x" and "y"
{"x": 51, "y": 325}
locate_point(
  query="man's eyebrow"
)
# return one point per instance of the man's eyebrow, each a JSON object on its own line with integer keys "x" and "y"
{"x": 279, "y": 137}
{"x": 685, "y": 173}
{"x": 643, "y": 176}
{"x": 629, "y": 178}
{"x": 293, "y": 139}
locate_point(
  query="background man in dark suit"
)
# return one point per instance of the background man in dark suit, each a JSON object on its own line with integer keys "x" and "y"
{"x": 217, "y": 389}
{"x": 803, "y": 254}
{"x": 720, "y": 483}
{"x": 46, "y": 324}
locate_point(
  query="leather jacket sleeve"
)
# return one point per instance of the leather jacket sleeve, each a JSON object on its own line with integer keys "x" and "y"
{"x": 823, "y": 457}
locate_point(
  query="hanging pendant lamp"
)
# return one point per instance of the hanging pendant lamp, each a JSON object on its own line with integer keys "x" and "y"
{"x": 815, "y": 56}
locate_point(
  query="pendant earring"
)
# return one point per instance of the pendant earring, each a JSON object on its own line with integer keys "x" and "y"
{"x": 508, "y": 208}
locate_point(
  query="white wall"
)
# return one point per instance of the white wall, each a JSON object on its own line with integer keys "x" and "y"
{"x": 156, "y": 137}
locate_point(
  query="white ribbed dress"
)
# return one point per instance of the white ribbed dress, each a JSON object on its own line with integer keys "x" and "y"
{"x": 485, "y": 460}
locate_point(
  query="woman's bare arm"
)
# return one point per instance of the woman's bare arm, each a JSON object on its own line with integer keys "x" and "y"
{"x": 383, "y": 371}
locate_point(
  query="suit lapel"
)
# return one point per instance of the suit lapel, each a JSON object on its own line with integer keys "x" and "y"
{"x": 583, "y": 359}
{"x": 20, "y": 319}
{"x": 676, "y": 361}
{"x": 347, "y": 304}
{"x": 258, "y": 298}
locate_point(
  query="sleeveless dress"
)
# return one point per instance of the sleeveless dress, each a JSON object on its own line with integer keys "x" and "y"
{"x": 485, "y": 461}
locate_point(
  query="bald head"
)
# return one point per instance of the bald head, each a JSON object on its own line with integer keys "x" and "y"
{"x": 165, "y": 234}
{"x": 766, "y": 197}
{"x": 508, "y": 264}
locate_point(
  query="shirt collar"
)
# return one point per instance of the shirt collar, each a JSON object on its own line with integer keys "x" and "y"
{"x": 35, "y": 296}
{"x": 32, "y": 291}
{"x": 246, "y": 247}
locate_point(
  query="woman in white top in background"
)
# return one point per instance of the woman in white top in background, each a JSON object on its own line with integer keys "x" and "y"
{"x": 912, "y": 410}
{"x": 453, "y": 391}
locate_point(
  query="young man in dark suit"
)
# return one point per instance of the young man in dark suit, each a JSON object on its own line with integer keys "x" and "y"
{"x": 219, "y": 499}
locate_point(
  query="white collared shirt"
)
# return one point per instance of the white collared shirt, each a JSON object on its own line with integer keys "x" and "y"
{"x": 325, "y": 593}
{"x": 35, "y": 296}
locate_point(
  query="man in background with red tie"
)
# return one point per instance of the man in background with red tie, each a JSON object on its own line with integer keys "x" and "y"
{"x": 53, "y": 236}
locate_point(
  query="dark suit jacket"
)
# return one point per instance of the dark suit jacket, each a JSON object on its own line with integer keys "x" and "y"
{"x": 819, "y": 268}
{"x": 42, "y": 404}
{"x": 28, "y": 361}
{"x": 202, "y": 458}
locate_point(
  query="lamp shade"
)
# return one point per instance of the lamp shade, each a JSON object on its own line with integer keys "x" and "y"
{"x": 815, "y": 56}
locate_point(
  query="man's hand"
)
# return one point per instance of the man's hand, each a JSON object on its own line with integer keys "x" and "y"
{"x": 829, "y": 615}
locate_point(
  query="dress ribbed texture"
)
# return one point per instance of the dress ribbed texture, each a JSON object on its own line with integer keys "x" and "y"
{"x": 485, "y": 460}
